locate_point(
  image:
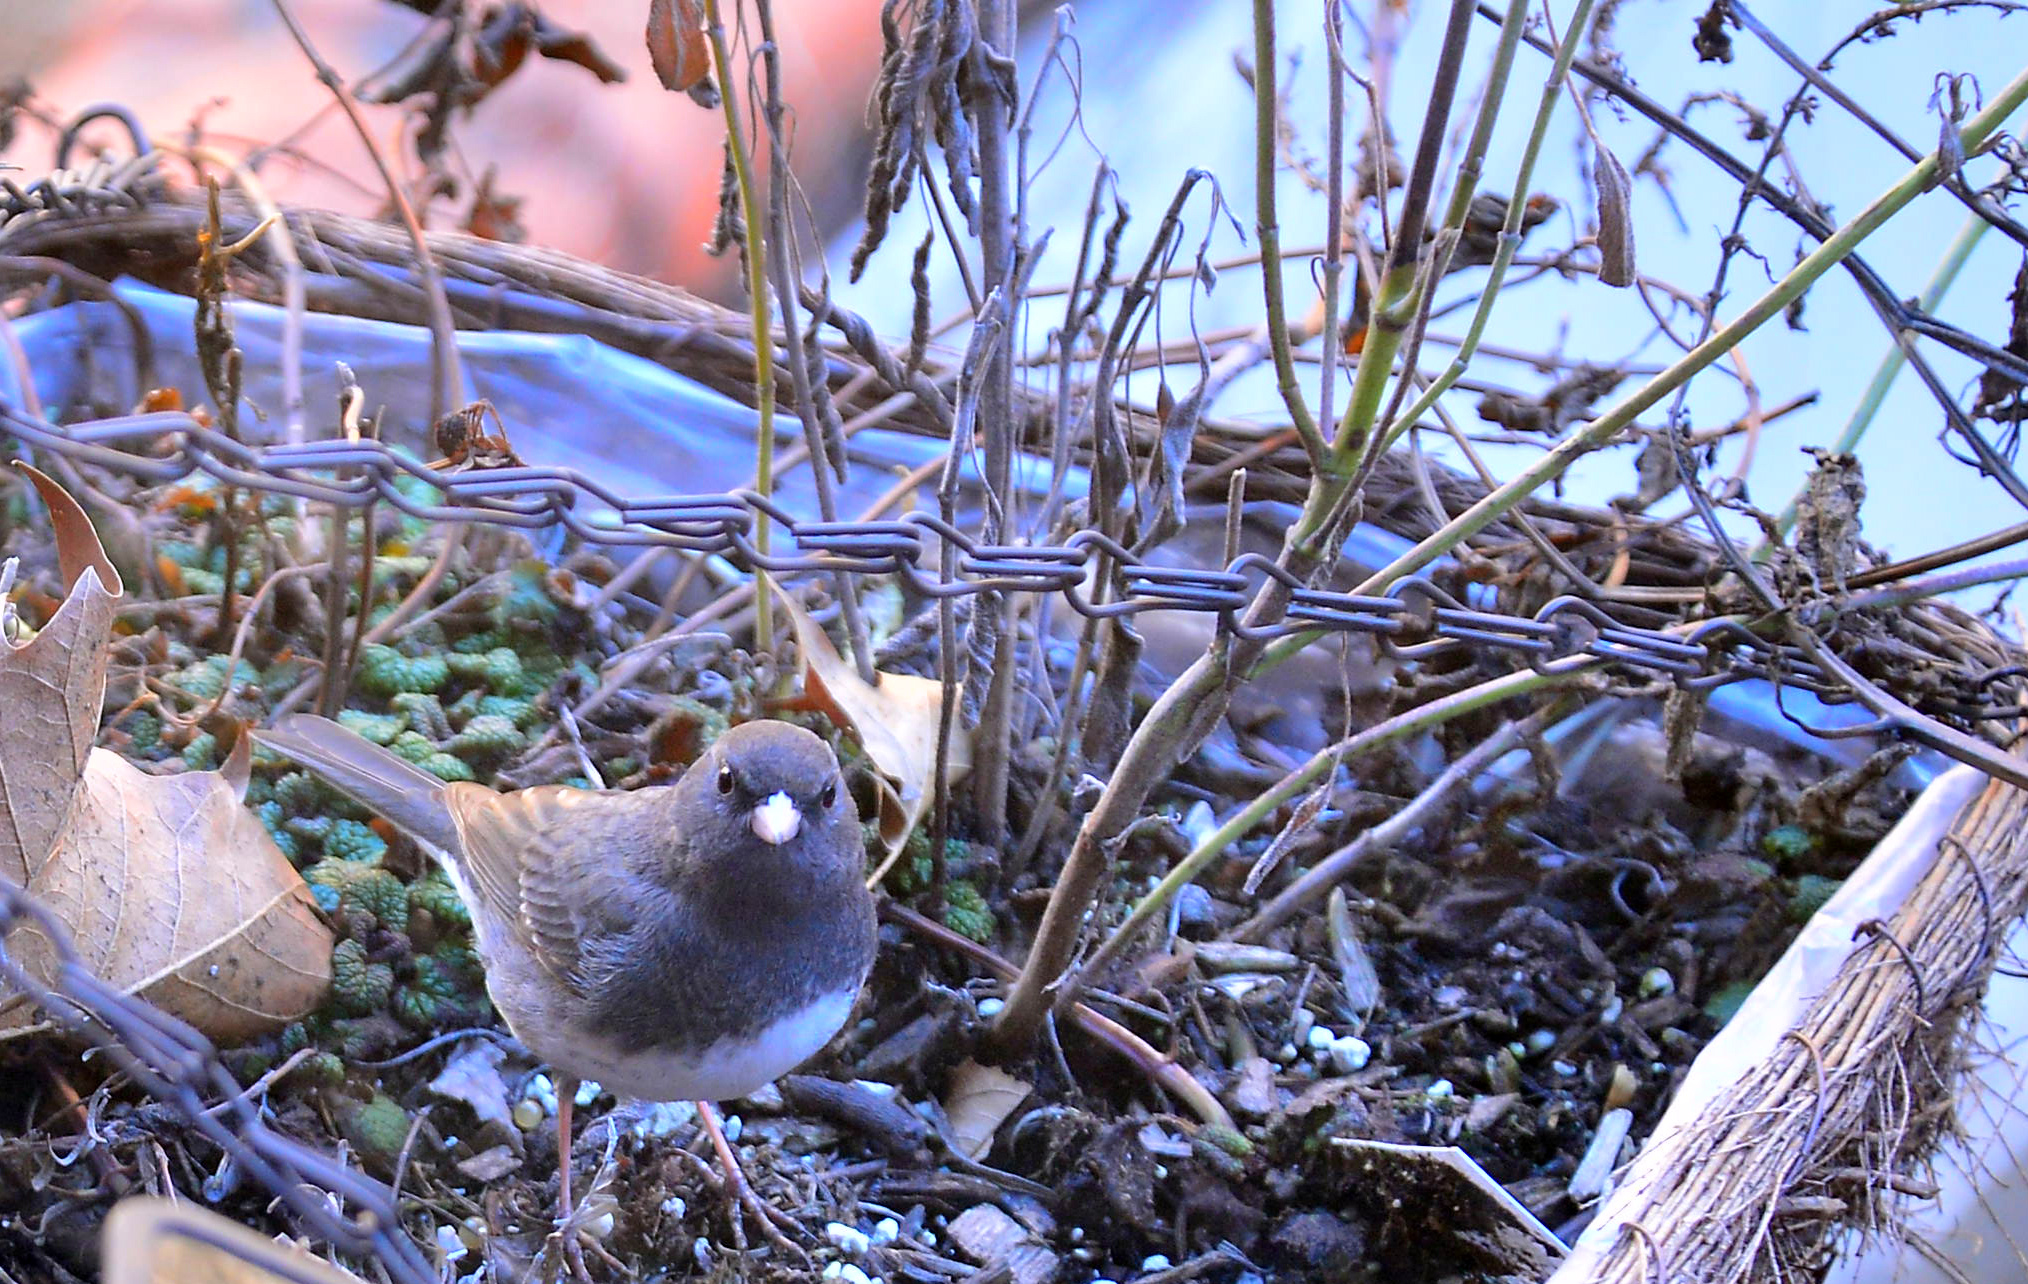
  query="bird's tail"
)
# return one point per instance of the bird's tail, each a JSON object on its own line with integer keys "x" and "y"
{"x": 409, "y": 797}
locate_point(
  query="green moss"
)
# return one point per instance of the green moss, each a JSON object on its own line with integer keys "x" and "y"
{"x": 201, "y": 754}
{"x": 295, "y": 1036}
{"x": 1812, "y": 890}
{"x": 299, "y": 792}
{"x": 966, "y": 912}
{"x": 439, "y": 993}
{"x": 353, "y": 840}
{"x": 487, "y": 736}
{"x": 1724, "y": 1004}
{"x": 384, "y": 671}
{"x": 321, "y": 1069}
{"x": 274, "y": 819}
{"x": 206, "y": 679}
{"x": 1788, "y": 845}
{"x": 424, "y": 713}
{"x": 434, "y": 894}
{"x": 144, "y": 730}
{"x": 357, "y": 986}
{"x": 498, "y": 668}
{"x": 460, "y": 960}
{"x": 377, "y": 1129}
{"x": 357, "y": 887}
{"x": 380, "y": 728}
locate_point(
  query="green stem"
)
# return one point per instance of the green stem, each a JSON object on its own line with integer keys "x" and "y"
{"x": 757, "y": 301}
{"x": 1517, "y": 204}
{"x": 1399, "y": 727}
{"x": 1892, "y": 360}
{"x": 1266, "y": 108}
{"x": 1771, "y": 304}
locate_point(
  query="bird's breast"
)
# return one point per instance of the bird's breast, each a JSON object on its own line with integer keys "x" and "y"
{"x": 732, "y": 1066}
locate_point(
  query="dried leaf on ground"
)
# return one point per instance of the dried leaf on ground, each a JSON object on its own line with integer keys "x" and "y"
{"x": 50, "y": 688}
{"x": 149, "y": 1240}
{"x": 979, "y": 1101}
{"x": 894, "y": 722}
{"x": 168, "y": 885}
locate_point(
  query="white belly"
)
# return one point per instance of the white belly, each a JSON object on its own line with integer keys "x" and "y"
{"x": 729, "y": 1068}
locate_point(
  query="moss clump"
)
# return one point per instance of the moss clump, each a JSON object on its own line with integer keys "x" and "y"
{"x": 1789, "y": 845}
{"x": 966, "y": 912}
{"x": 438, "y": 994}
{"x": 357, "y": 986}
{"x": 201, "y": 754}
{"x": 144, "y": 732}
{"x": 359, "y": 888}
{"x": 1812, "y": 890}
{"x": 434, "y": 894}
{"x": 424, "y": 713}
{"x": 208, "y": 678}
{"x": 380, "y": 728}
{"x": 384, "y": 671}
{"x": 353, "y": 840}
{"x": 487, "y": 736}
{"x": 377, "y": 1129}
{"x": 423, "y": 754}
{"x": 498, "y": 668}
{"x": 274, "y": 819}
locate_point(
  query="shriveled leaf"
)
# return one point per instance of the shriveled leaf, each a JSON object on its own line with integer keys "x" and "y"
{"x": 473, "y": 1077}
{"x": 168, "y": 886}
{"x": 1615, "y": 218}
{"x": 51, "y": 688}
{"x": 894, "y": 722}
{"x": 171, "y": 889}
{"x": 157, "y": 1241}
{"x": 677, "y": 45}
{"x": 979, "y": 1101}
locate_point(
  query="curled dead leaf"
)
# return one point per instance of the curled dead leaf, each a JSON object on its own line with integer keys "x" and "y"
{"x": 50, "y": 688}
{"x": 894, "y": 722}
{"x": 168, "y": 886}
{"x": 677, "y": 45}
{"x": 979, "y": 1101}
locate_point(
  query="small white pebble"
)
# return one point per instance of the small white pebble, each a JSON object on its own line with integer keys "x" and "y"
{"x": 990, "y": 1008}
{"x": 1540, "y": 1041}
{"x": 851, "y": 1274}
{"x": 1440, "y": 1090}
{"x": 886, "y": 1231}
{"x": 588, "y": 1091}
{"x": 1319, "y": 1037}
{"x": 834, "y": 1270}
{"x": 1155, "y": 1262}
{"x": 848, "y": 1240}
{"x": 885, "y": 1091}
{"x": 1563, "y": 1068}
{"x": 732, "y": 1127}
{"x": 928, "y": 1238}
{"x": 1350, "y": 1054}
{"x": 675, "y": 1206}
{"x": 528, "y": 1114}
{"x": 1286, "y": 1053}
{"x": 664, "y": 1118}
{"x": 1613, "y": 1009}
{"x": 1077, "y": 1234}
{"x": 600, "y": 1227}
{"x": 1656, "y": 982}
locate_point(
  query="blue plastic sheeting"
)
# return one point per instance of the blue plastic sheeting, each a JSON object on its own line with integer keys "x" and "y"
{"x": 640, "y": 428}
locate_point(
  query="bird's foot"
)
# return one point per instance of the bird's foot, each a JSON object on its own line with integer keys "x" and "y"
{"x": 774, "y": 1223}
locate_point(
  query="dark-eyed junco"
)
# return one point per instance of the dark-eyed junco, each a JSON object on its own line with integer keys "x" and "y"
{"x": 688, "y": 942}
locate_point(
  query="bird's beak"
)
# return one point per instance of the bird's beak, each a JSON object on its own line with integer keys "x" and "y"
{"x": 777, "y": 819}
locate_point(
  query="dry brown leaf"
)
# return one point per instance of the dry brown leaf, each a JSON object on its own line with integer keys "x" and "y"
{"x": 979, "y": 1101}
{"x": 51, "y": 687}
{"x": 168, "y": 885}
{"x": 677, "y": 45}
{"x": 161, "y": 1241}
{"x": 894, "y": 722}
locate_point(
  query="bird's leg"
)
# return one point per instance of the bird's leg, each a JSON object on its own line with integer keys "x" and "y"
{"x": 573, "y": 1252}
{"x": 772, "y": 1220}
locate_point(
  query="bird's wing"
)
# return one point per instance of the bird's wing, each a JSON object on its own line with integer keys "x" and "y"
{"x": 549, "y": 863}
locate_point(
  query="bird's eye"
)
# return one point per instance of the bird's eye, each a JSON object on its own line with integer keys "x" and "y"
{"x": 725, "y": 781}
{"x": 829, "y": 796}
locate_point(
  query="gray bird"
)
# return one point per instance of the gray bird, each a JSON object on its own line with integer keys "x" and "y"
{"x": 688, "y": 942}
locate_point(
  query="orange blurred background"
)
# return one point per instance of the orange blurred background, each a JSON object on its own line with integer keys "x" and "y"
{"x": 625, "y": 174}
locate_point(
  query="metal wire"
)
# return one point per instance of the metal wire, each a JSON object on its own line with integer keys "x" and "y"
{"x": 177, "y": 1066}
{"x": 1416, "y": 619}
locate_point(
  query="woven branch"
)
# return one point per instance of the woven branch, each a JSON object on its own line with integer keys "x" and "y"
{"x": 1765, "y": 1180}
